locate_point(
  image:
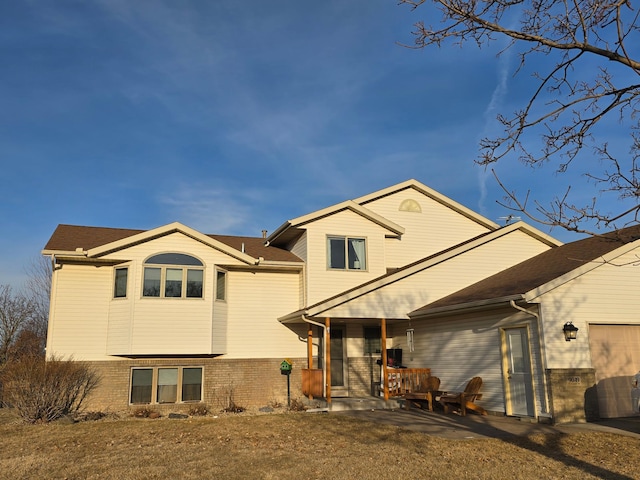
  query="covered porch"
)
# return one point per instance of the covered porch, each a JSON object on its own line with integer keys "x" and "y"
{"x": 356, "y": 361}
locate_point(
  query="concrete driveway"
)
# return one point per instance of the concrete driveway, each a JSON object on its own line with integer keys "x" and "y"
{"x": 453, "y": 426}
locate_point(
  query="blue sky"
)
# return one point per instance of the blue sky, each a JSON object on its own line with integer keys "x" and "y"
{"x": 232, "y": 117}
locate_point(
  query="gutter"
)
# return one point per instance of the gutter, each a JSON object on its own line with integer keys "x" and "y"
{"x": 543, "y": 356}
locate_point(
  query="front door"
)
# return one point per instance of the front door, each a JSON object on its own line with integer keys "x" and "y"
{"x": 518, "y": 382}
{"x": 338, "y": 362}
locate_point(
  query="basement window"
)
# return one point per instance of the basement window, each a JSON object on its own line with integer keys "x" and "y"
{"x": 166, "y": 385}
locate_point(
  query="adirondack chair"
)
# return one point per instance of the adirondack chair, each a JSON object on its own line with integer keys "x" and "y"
{"x": 464, "y": 400}
{"x": 424, "y": 393}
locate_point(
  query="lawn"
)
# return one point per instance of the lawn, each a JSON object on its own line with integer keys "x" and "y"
{"x": 295, "y": 446}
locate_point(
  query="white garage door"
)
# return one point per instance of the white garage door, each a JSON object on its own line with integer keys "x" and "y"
{"x": 615, "y": 354}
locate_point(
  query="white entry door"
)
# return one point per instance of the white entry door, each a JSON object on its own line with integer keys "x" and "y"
{"x": 518, "y": 382}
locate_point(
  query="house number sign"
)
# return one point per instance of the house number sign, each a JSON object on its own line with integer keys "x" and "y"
{"x": 575, "y": 380}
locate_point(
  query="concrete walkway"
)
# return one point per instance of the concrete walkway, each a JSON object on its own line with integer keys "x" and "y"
{"x": 453, "y": 426}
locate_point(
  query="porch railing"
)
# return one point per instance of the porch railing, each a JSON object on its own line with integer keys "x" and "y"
{"x": 406, "y": 380}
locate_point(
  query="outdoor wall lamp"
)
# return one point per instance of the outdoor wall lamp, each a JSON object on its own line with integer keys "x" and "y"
{"x": 570, "y": 331}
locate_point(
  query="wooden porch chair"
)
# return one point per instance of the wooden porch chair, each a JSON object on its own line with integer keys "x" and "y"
{"x": 426, "y": 391}
{"x": 464, "y": 400}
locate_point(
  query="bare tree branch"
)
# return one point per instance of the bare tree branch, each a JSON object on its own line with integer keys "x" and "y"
{"x": 568, "y": 106}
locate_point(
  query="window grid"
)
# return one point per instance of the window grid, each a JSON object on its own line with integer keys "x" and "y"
{"x": 165, "y": 385}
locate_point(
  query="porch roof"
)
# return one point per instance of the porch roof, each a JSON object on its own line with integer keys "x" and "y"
{"x": 532, "y": 277}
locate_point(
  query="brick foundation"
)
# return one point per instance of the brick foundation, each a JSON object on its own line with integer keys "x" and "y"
{"x": 569, "y": 391}
{"x": 252, "y": 382}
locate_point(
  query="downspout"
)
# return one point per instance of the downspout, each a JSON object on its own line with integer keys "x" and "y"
{"x": 543, "y": 356}
{"x": 324, "y": 357}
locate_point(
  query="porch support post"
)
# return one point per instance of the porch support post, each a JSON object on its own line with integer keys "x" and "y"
{"x": 383, "y": 341}
{"x": 327, "y": 358}
{"x": 309, "y": 346}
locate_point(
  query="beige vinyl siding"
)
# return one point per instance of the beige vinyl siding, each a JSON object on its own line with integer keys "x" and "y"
{"x": 324, "y": 282}
{"x": 88, "y": 323}
{"x": 607, "y": 294}
{"x": 256, "y": 300}
{"x": 78, "y": 324}
{"x": 219, "y": 323}
{"x": 444, "y": 346}
{"x": 299, "y": 248}
{"x": 398, "y": 299}
{"x": 436, "y": 228}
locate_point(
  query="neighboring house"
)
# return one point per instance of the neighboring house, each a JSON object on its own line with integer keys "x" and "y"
{"x": 508, "y": 328}
{"x": 172, "y": 316}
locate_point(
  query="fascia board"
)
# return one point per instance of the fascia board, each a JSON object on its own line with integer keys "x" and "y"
{"x": 354, "y": 207}
{"x": 166, "y": 230}
{"x": 537, "y": 234}
{"x": 438, "y": 197}
{"x": 464, "y": 307}
{"x": 406, "y": 272}
{"x": 581, "y": 270}
{"x": 393, "y": 227}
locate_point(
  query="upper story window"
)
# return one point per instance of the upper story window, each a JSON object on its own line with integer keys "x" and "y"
{"x": 120, "y": 282}
{"x": 346, "y": 253}
{"x": 221, "y": 285}
{"x": 173, "y": 275}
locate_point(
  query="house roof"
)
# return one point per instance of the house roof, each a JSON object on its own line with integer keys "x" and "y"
{"x": 292, "y": 228}
{"x": 397, "y": 274}
{"x": 72, "y": 238}
{"x": 536, "y": 272}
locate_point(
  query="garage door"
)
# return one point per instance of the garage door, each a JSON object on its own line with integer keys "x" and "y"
{"x": 615, "y": 354}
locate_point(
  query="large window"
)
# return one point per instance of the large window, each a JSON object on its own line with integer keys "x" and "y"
{"x": 120, "y": 282}
{"x": 166, "y": 385}
{"x": 346, "y": 253}
{"x": 173, "y": 275}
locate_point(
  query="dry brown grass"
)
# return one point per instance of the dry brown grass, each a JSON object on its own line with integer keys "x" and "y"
{"x": 296, "y": 445}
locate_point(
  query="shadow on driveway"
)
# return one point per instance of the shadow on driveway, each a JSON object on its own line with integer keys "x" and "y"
{"x": 475, "y": 426}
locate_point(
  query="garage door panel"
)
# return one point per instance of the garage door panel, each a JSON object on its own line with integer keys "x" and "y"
{"x": 615, "y": 355}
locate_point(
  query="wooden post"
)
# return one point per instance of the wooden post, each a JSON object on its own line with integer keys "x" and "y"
{"x": 327, "y": 360}
{"x": 383, "y": 342}
{"x": 310, "y": 347}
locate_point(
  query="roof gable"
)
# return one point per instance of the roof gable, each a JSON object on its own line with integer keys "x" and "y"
{"x": 292, "y": 228}
{"x": 540, "y": 273}
{"x": 418, "y": 266}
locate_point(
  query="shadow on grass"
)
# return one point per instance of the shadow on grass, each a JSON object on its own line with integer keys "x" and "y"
{"x": 521, "y": 434}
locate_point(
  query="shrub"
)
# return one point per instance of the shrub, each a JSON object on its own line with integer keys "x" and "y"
{"x": 43, "y": 391}
{"x": 198, "y": 410}
{"x": 145, "y": 412}
{"x": 297, "y": 406}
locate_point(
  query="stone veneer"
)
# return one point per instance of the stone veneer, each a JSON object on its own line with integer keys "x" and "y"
{"x": 569, "y": 391}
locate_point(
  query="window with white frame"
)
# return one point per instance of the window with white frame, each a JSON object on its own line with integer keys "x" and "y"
{"x": 221, "y": 285}
{"x": 166, "y": 385}
{"x": 173, "y": 275}
{"x": 120, "y": 282}
{"x": 346, "y": 253}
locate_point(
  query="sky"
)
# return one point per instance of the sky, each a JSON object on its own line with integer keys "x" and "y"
{"x": 233, "y": 117}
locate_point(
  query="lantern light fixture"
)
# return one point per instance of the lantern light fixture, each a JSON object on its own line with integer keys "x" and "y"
{"x": 570, "y": 331}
